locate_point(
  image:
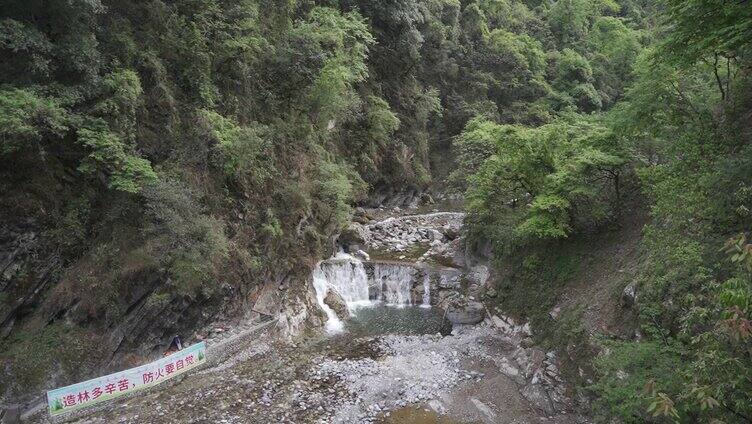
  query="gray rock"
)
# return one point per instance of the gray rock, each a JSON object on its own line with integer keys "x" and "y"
{"x": 354, "y": 235}
{"x": 426, "y": 199}
{"x": 435, "y": 235}
{"x": 450, "y": 232}
{"x": 527, "y": 342}
{"x": 555, "y": 312}
{"x": 466, "y": 313}
{"x": 629, "y": 295}
{"x": 362, "y": 255}
{"x": 338, "y": 305}
{"x": 537, "y": 395}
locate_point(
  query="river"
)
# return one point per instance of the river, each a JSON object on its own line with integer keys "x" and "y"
{"x": 392, "y": 358}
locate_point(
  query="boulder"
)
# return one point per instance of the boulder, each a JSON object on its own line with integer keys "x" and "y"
{"x": 538, "y": 396}
{"x": 361, "y": 219}
{"x": 448, "y": 282}
{"x": 466, "y": 313}
{"x": 506, "y": 325}
{"x": 426, "y": 199}
{"x": 362, "y": 216}
{"x": 353, "y": 237}
{"x": 435, "y": 235}
{"x": 363, "y": 256}
{"x": 450, "y": 232}
{"x": 629, "y": 295}
{"x": 338, "y": 305}
{"x": 554, "y": 313}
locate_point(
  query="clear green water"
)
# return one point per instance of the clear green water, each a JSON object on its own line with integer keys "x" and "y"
{"x": 409, "y": 320}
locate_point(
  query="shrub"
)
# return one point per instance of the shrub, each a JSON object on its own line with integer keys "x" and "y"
{"x": 188, "y": 243}
{"x": 631, "y": 374}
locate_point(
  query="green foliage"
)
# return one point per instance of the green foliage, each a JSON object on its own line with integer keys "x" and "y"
{"x": 206, "y": 131}
{"x": 122, "y": 92}
{"x": 382, "y": 123}
{"x": 190, "y": 244}
{"x": 545, "y": 273}
{"x": 513, "y": 15}
{"x": 739, "y": 251}
{"x": 548, "y": 218}
{"x": 615, "y": 47}
{"x": 473, "y": 147}
{"x": 526, "y": 51}
{"x": 242, "y": 152}
{"x": 632, "y": 375}
{"x": 699, "y": 28}
{"x": 335, "y": 186}
{"x": 31, "y": 357}
{"x": 367, "y": 136}
{"x": 539, "y": 178}
{"x": 30, "y": 49}
{"x": 349, "y": 39}
{"x": 111, "y": 156}
{"x": 574, "y": 77}
{"x": 27, "y": 119}
{"x": 686, "y": 132}
{"x": 72, "y": 230}
{"x": 570, "y": 19}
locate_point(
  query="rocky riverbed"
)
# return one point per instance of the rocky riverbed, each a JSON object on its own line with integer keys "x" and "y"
{"x": 414, "y": 345}
{"x": 477, "y": 373}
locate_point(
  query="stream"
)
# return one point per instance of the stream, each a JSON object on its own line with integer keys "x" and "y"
{"x": 388, "y": 352}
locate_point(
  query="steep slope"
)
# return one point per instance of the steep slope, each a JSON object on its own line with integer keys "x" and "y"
{"x": 165, "y": 165}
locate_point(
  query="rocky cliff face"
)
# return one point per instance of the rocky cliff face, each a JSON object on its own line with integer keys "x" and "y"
{"x": 93, "y": 313}
{"x": 53, "y": 332}
{"x": 27, "y": 269}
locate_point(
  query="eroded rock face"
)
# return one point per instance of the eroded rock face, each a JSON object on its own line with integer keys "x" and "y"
{"x": 25, "y": 272}
{"x": 338, "y": 305}
{"x": 363, "y": 256}
{"x": 535, "y": 371}
{"x": 465, "y": 312}
{"x": 354, "y": 237}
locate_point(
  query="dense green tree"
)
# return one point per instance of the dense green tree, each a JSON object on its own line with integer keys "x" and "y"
{"x": 182, "y": 139}
{"x": 541, "y": 183}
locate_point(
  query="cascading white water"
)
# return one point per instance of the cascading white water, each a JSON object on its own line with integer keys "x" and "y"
{"x": 394, "y": 283}
{"x": 426, "y": 292}
{"x": 320, "y": 284}
{"x": 346, "y": 276}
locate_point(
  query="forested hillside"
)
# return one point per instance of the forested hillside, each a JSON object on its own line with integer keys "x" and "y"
{"x": 160, "y": 161}
{"x": 674, "y": 133}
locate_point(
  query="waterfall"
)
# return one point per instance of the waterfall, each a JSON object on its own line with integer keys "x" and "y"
{"x": 347, "y": 276}
{"x": 426, "y": 292}
{"x": 394, "y": 283}
{"x": 320, "y": 284}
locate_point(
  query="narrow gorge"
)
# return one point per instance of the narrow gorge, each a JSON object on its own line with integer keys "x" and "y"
{"x": 362, "y": 211}
{"x": 406, "y": 339}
